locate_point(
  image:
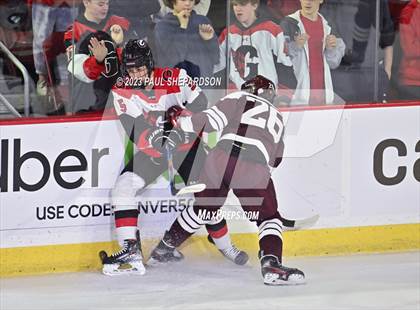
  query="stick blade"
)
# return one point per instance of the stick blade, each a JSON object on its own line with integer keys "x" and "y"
{"x": 196, "y": 188}
{"x": 303, "y": 223}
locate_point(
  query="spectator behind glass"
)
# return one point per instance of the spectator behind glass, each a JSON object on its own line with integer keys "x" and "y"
{"x": 409, "y": 83}
{"x": 201, "y": 8}
{"x": 16, "y": 34}
{"x": 365, "y": 19}
{"x": 138, "y": 14}
{"x": 281, "y": 8}
{"x": 314, "y": 51}
{"x": 187, "y": 40}
{"x": 256, "y": 45}
{"x": 90, "y": 93}
{"x": 48, "y": 16}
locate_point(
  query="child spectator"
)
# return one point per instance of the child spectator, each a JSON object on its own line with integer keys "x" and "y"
{"x": 87, "y": 94}
{"x": 410, "y": 44}
{"x": 138, "y": 13}
{"x": 313, "y": 51}
{"x": 256, "y": 45}
{"x": 201, "y": 8}
{"x": 186, "y": 39}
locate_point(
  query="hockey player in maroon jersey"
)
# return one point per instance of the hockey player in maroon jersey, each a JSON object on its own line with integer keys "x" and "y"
{"x": 141, "y": 98}
{"x": 251, "y": 142}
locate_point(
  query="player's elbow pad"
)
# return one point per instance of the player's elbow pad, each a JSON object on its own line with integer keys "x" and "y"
{"x": 199, "y": 104}
{"x": 277, "y": 162}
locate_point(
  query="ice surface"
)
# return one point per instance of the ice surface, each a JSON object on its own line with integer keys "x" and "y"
{"x": 383, "y": 281}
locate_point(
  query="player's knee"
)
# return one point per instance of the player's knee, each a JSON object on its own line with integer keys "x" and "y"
{"x": 126, "y": 187}
{"x": 269, "y": 217}
{"x": 270, "y": 226}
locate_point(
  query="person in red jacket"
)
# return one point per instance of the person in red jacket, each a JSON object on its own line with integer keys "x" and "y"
{"x": 90, "y": 93}
{"x": 410, "y": 44}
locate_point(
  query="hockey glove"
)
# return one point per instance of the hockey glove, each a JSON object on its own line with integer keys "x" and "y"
{"x": 173, "y": 113}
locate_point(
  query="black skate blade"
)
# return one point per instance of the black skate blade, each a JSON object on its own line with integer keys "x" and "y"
{"x": 299, "y": 224}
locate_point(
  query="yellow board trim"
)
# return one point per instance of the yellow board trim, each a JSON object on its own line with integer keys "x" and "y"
{"x": 332, "y": 241}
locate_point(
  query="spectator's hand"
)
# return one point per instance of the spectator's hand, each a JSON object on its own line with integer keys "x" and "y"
{"x": 301, "y": 40}
{"x": 183, "y": 17}
{"x": 117, "y": 34}
{"x": 69, "y": 52}
{"x": 330, "y": 41}
{"x": 388, "y": 73}
{"x": 206, "y": 31}
{"x": 98, "y": 49}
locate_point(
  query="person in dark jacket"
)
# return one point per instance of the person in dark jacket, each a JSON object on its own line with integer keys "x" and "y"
{"x": 184, "y": 36}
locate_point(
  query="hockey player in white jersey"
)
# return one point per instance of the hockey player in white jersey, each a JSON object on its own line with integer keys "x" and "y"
{"x": 141, "y": 97}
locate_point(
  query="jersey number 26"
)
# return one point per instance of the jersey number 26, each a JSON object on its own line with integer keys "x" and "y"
{"x": 264, "y": 116}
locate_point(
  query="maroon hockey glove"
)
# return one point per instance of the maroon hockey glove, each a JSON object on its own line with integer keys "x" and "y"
{"x": 174, "y": 112}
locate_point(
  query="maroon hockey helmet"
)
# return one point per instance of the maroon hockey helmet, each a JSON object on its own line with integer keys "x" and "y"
{"x": 261, "y": 87}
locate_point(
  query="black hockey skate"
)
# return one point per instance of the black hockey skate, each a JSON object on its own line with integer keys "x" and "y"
{"x": 165, "y": 253}
{"x": 128, "y": 260}
{"x": 275, "y": 273}
{"x": 233, "y": 253}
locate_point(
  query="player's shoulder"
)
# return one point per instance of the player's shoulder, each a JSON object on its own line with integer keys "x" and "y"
{"x": 124, "y": 92}
{"x": 172, "y": 80}
{"x": 235, "y": 97}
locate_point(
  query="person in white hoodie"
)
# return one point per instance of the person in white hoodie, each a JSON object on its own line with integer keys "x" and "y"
{"x": 313, "y": 50}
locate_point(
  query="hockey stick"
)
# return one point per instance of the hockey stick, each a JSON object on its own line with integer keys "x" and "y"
{"x": 299, "y": 224}
{"x": 195, "y": 188}
{"x": 171, "y": 174}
